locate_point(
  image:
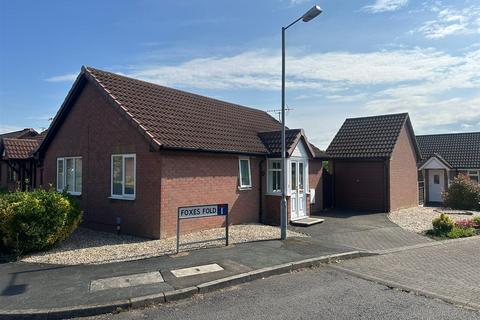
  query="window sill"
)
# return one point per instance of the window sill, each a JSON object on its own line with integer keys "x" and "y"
{"x": 244, "y": 188}
{"x": 71, "y": 193}
{"x": 278, "y": 194}
{"x": 121, "y": 198}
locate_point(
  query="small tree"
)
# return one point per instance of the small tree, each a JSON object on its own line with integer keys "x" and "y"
{"x": 463, "y": 194}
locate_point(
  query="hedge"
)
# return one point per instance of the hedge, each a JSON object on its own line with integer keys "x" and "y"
{"x": 36, "y": 220}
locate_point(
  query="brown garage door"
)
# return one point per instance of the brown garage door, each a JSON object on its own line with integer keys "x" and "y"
{"x": 359, "y": 185}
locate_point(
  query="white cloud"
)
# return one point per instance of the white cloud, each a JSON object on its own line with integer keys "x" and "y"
{"x": 437, "y": 88}
{"x": 385, "y": 5}
{"x": 295, "y": 2}
{"x": 333, "y": 70}
{"x": 428, "y": 83}
{"x": 451, "y": 97}
{"x": 64, "y": 77}
{"x": 450, "y": 21}
{"x": 349, "y": 97}
{"x": 7, "y": 128}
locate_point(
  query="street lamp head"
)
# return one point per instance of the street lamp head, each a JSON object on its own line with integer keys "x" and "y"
{"x": 312, "y": 13}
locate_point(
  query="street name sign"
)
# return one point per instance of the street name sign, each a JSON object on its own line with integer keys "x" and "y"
{"x": 203, "y": 211}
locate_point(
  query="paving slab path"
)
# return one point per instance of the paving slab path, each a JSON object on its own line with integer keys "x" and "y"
{"x": 33, "y": 286}
{"x": 449, "y": 270}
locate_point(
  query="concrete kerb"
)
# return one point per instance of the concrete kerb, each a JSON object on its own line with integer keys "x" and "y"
{"x": 422, "y": 292}
{"x": 278, "y": 269}
{"x": 68, "y": 312}
{"x": 143, "y": 301}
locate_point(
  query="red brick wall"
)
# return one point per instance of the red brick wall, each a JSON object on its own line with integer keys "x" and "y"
{"x": 190, "y": 178}
{"x": 272, "y": 210}
{"x": 403, "y": 174}
{"x": 94, "y": 130}
{"x": 315, "y": 171}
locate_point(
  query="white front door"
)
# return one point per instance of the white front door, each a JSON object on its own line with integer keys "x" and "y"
{"x": 436, "y": 185}
{"x": 297, "y": 196}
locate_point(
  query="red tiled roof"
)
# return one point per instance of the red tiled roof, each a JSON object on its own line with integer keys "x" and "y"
{"x": 19, "y": 148}
{"x": 176, "y": 119}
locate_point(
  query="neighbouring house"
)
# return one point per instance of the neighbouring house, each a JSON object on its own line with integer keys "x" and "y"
{"x": 17, "y": 165}
{"x": 373, "y": 163}
{"x": 444, "y": 156}
{"x": 133, "y": 152}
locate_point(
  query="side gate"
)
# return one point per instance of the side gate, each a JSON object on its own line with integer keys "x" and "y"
{"x": 327, "y": 189}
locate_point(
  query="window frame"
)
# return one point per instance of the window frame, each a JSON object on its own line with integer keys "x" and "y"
{"x": 477, "y": 174}
{"x": 240, "y": 185}
{"x": 64, "y": 159}
{"x": 124, "y": 196}
{"x": 270, "y": 171}
{"x": 12, "y": 175}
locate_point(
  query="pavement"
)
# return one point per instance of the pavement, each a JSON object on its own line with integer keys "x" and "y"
{"x": 448, "y": 270}
{"x": 320, "y": 293}
{"x": 26, "y": 286}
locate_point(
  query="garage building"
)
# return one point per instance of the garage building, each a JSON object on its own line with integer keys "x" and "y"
{"x": 372, "y": 161}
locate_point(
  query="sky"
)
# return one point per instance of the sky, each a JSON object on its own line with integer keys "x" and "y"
{"x": 358, "y": 58}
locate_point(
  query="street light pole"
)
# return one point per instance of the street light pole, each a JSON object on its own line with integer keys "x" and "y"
{"x": 309, "y": 15}
{"x": 283, "y": 204}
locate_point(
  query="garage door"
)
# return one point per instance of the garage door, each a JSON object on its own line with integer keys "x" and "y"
{"x": 359, "y": 185}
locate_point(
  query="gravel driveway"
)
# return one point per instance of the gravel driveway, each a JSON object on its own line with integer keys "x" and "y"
{"x": 419, "y": 219}
{"x": 86, "y": 246}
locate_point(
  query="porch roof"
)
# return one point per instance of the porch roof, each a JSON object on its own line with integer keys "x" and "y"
{"x": 19, "y": 149}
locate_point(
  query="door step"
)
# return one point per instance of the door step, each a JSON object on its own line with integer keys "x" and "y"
{"x": 307, "y": 221}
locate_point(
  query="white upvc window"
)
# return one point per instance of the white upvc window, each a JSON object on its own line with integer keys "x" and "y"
{"x": 274, "y": 176}
{"x": 245, "y": 177}
{"x": 69, "y": 175}
{"x": 474, "y": 175}
{"x": 123, "y": 176}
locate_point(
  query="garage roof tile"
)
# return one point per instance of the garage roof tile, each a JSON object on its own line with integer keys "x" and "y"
{"x": 368, "y": 137}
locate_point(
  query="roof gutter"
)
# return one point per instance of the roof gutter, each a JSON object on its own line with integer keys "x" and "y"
{"x": 231, "y": 152}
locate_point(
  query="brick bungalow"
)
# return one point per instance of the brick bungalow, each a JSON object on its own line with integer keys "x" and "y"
{"x": 373, "y": 162}
{"x": 133, "y": 152}
{"x": 17, "y": 164}
{"x": 443, "y": 157}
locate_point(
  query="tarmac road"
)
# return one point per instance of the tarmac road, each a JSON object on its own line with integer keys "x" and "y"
{"x": 321, "y": 293}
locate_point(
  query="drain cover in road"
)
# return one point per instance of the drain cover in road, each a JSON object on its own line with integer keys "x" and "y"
{"x": 193, "y": 271}
{"x": 126, "y": 281}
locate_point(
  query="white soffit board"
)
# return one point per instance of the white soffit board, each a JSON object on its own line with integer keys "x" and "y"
{"x": 434, "y": 163}
{"x": 193, "y": 271}
{"x": 300, "y": 150}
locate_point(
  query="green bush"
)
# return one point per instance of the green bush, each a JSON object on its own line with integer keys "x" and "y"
{"x": 457, "y": 232}
{"x": 442, "y": 225}
{"x": 476, "y": 219}
{"x": 36, "y": 220}
{"x": 463, "y": 194}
